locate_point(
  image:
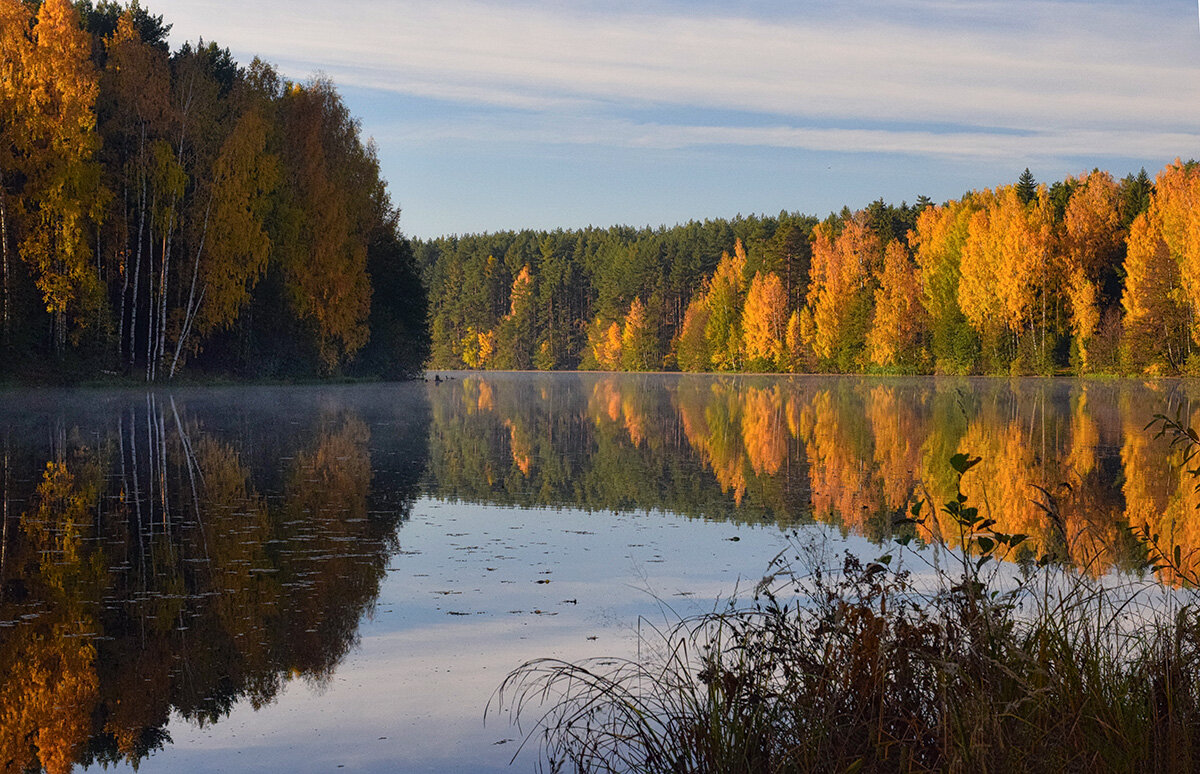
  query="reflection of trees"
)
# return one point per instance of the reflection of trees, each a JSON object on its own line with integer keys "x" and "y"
{"x": 844, "y": 487}
{"x": 50, "y": 681}
{"x": 1159, "y": 493}
{"x": 166, "y": 560}
{"x": 849, "y": 451}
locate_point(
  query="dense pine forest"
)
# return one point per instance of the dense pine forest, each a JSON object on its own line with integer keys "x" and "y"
{"x": 175, "y": 212}
{"x": 1087, "y": 275}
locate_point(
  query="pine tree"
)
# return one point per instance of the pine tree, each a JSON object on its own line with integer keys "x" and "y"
{"x": 1026, "y": 187}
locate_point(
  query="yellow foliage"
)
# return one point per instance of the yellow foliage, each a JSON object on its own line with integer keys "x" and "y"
{"x": 1005, "y": 261}
{"x": 764, "y": 320}
{"x": 1092, "y": 240}
{"x": 1154, "y": 316}
{"x": 841, "y": 271}
{"x": 899, "y": 319}
{"x": 606, "y": 348}
{"x": 724, "y": 299}
{"x": 764, "y": 430}
{"x": 691, "y": 346}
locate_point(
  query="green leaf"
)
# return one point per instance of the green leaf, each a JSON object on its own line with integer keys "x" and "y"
{"x": 986, "y": 544}
{"x": 962, "y": 462}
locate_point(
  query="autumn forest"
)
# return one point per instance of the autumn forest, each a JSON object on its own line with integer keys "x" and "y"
{"x": 1087, "y": 275}
{"x": 168, "y": 212}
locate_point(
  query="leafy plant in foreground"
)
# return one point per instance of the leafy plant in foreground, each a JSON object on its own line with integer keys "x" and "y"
{"x": 871, "y": 667}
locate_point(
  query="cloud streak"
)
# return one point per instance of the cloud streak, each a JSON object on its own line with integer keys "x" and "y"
{"x": 1049, "y": 66}
{"x": 551, "y": 101}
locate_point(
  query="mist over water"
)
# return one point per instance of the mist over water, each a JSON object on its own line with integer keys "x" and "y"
{"x": 283, "y": 578}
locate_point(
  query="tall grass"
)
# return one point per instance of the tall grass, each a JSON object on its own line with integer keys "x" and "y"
{"x": 971, "y": 665}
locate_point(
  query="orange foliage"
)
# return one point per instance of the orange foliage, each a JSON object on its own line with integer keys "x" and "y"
{"x": 1092, "y": 241}
{"x": 606, "y": 348}
{"x": 764, "y": 320}
{"x": 898, "y": 434}
{"x": 1005, "y": 261}
{"x": 521, "y": 448}
{"x": 842, "y": 267}
{"x": 764, "y": 432}
{"x": 62, "y": 177}
{"x": 839, "y": 452}
{"x": 1154, "y": 317}
{"x": 900, "y": 319}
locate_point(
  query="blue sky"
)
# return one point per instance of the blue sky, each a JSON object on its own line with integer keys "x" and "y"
{"x": 499, "y": 115}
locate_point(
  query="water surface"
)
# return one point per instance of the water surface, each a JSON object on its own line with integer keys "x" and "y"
{"x": 301, "y": 579}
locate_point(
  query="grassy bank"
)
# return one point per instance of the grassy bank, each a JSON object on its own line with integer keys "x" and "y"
{"x": 921, "y": 660}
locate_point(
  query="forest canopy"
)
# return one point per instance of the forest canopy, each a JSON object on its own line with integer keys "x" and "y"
{"x": 1090, "y": 274}
{"x": 163, "y": 211}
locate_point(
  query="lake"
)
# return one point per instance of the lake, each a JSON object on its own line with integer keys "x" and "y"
{"x": 316, "y": 578}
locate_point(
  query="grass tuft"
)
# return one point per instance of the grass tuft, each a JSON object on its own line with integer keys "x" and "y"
{"x": 971, "y": 665}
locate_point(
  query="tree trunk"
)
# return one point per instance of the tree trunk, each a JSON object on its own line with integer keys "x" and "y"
{"x": 150, "y": 312}
{"x": 4, "y": 516}
{"x": 137, "y": 274}
{"x": 190, "y": 310}
{"x": 164, "y": 282}
{"x": 7, "y": 300}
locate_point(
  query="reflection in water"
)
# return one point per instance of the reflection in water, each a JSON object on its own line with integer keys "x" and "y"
{"x": 851, "y": 452}
{"x": 162, "y": 555}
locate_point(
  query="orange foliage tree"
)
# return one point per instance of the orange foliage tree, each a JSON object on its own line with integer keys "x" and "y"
{"x": 1159, "y": 301}
{"x": 1006, "y": 271}
{"x": 63, "y": 191}
{"x": 764, "y": 323}
{"x": 900, "y": 322}
{"x": 840, "y": 290}
{"x": 937, "y": 243}
{"x": 1092, "y": 245}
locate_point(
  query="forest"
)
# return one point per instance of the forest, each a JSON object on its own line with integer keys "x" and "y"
{"x": 166, "y": 213}
{"x": 1091, "y": 274}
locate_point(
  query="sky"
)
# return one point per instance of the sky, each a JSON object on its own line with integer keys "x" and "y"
{"x": 502, "y": 115}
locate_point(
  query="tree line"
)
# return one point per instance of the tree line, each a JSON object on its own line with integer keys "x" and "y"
{"x": 1090, "y": 274}
{"x": 163, "y": 211}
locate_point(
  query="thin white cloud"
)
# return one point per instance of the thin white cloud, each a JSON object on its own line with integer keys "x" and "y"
{"x": 1075, "y": 78}
{"x": 987, "y": 145}
{"x": 944, "y": 62}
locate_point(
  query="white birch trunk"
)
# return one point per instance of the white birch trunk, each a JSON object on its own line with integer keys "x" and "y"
{"x": 193, "y": 304}
{"x": 137, "y": 273}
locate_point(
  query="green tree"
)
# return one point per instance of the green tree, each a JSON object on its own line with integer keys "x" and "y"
{"x": 1026, "y": 187}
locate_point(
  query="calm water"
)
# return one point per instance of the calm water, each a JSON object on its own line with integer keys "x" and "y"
{"x": 308, "y": 579}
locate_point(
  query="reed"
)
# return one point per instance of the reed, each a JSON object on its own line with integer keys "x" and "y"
{"x": 970, "y": 664}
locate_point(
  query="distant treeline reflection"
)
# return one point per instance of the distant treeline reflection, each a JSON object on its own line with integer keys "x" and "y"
{"x": 159, "y": 557}
{"x": 850, "y": 452}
